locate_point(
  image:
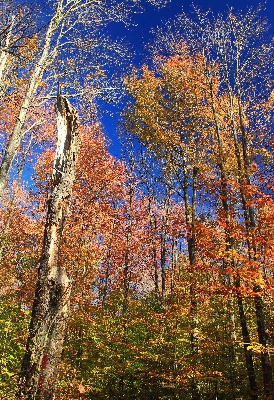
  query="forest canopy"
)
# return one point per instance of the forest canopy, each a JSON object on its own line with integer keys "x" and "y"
{"x": 148, "y": 276}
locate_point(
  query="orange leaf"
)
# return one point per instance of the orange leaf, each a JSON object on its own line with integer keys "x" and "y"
{"x": 81, "y": 389}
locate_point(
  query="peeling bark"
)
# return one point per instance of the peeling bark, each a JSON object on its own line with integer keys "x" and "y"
{"x": 50, "y": 311}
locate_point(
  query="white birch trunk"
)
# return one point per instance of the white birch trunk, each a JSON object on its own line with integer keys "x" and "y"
{"x": 4, "y": 55}
{"x": 37, "y": 74}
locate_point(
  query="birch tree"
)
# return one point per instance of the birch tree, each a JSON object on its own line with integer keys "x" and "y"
{"x": 73, "y": 29}
{"x": 17, "y": 27}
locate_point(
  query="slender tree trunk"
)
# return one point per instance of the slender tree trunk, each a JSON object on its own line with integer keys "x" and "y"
{"x": 229, "y": 242}
{"x": 126, "y": 280}
{"x": 265, "y": 357}
{"x": 190, "y": 211}
{"x": 126, "y": 269}
{"x": 259, "y": 305}
{"x": 248, "y": 352}
{"x": 153, "y": 228}
{"x": 163, "y": 245}
{"x": 174, "y": 265}
{"x": 4, "y": 54}
{"x": 108, "y": 263}
{"x": 19, "y": 127}
{"x": 50, "y": 311}
{"x": 14, "y": 197}
{"x": 250, "y": 224}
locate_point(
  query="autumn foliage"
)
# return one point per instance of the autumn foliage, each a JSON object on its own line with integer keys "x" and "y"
{"x": 170, "y": 251}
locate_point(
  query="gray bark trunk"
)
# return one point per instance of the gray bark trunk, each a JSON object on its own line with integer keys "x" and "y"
{"x": 39, "y": 371}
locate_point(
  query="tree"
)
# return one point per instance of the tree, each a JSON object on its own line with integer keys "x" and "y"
{"x": 52, "y": 297}
{"x": 62, "y": 39}
{"x": 161, "y": 269}
{"x": 174, "y": 104}
{"x": 17, "y": 30}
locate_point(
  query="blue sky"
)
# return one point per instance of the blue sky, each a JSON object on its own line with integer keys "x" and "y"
{"x": 138, "y": 35}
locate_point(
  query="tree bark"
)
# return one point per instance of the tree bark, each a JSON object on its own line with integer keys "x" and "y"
{"x": 47, "y": 56}
{"x": 50, "y": 311}
{"x": 4, "y": 54}
{"x": 262, "y": 335}
{"x": 248, "y": 352}
{"x": 229, "y": 242}
{"x": 190, "y": 213}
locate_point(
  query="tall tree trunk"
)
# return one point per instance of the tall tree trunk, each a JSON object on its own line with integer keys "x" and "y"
{"x": 190, "y": 214}
{"x": 248, "y": 352}
{"x": 47, "y": 56}
{"x": 163, "y": 245}
{"x": 153, "y": 228}
{"x": 13, "y": 199}
{"x": 262, "y": 335}
{"x": 229, "y": 241}
{"x": 50, "y": 311}
{"x": 250, "y": 221}
{"x": 126, "y": 279}
{"x": 5, "y": 52}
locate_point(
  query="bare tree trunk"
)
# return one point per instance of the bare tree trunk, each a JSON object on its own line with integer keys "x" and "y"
{"x": 47, "y": 56}
{"x": 262, "y": 334}
{"x": 229, "y": 244}
{"x": 4, "y": 54}
{"x": 11, "y": 206}
{"x": 190, "y": 213}
{"x": 153, "y": 228}
{"x": 163, "y": 245}
{"x": 248, "y": 352}
{"x": 250, "y": 224}
{"x": 259, "y": 304}
{"x": 50, "y": 311}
